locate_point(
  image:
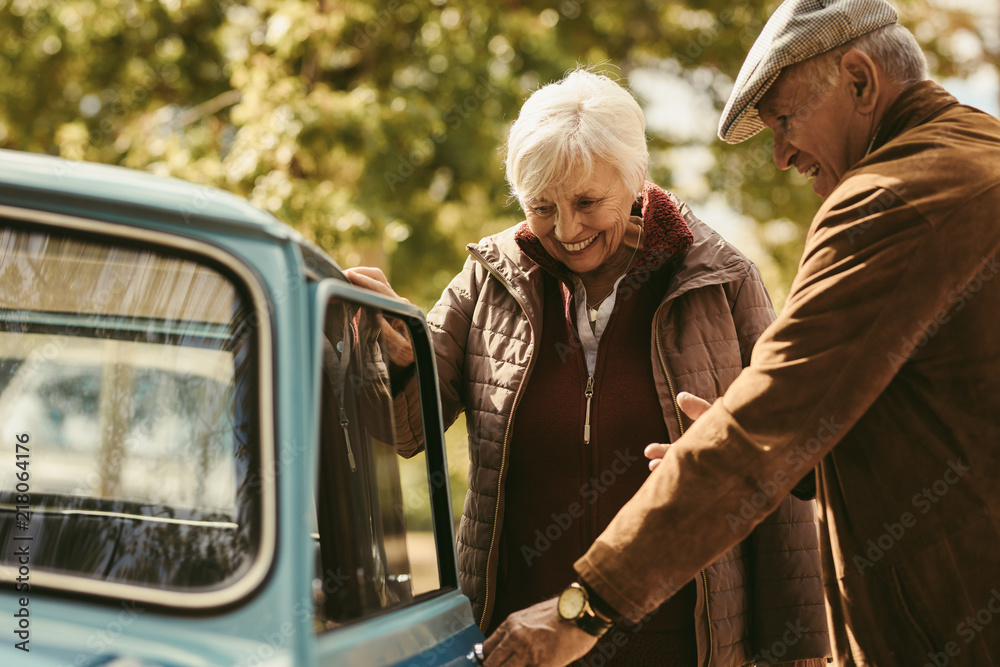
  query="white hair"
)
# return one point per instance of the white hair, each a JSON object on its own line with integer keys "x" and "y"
{"x": 892, "y": 47}
{"x": 564, "y": 127}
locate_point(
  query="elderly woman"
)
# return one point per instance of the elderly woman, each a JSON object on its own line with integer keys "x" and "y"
{"x": 566, "y": 340}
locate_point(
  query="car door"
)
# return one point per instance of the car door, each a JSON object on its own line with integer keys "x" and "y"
{"x": 386, "y": 582}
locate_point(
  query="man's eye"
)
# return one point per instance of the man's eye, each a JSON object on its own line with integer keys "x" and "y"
{"x": 785, "y": 120}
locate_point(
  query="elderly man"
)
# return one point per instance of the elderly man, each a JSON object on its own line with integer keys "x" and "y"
{"x": 882, "y": 372}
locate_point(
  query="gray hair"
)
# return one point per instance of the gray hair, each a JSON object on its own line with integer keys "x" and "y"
{"x": 565, "y": 126}
{"x": 893, "y": 48}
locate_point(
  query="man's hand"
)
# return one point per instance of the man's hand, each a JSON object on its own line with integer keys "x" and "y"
{"x": 397, "y": 340}
{"x": 537, "y": 636}
{"x": 693, "y": 407}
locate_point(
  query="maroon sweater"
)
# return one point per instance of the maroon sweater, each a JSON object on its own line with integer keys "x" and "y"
{"x": 560, "y": 493}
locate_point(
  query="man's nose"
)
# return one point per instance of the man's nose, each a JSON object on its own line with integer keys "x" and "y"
{"x": 782, "y": 151}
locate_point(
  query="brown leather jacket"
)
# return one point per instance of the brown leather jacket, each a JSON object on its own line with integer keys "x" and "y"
{"x": 885, "y": 366}
{"x": 763, "y": 592}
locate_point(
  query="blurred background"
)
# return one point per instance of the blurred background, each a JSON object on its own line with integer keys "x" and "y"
{"x": 375, "y": 128}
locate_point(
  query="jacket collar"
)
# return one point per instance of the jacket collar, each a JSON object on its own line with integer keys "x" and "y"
{"x": 709, "y": 261}
{"x": 915, "y": 106}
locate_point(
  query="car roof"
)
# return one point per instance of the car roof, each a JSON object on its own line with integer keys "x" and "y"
{"x": 62, "y": 178}
{"x": 87, "y": 188}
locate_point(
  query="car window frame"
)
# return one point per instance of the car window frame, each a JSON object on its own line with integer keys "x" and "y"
{"x": 442, "y": 520}
{"x": 245, "y": 277}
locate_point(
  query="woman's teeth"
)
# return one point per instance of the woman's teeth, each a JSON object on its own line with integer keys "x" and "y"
{"x": 576, "y": 247}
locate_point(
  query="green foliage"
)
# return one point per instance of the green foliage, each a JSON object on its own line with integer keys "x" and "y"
{"x": 376, "y": 128}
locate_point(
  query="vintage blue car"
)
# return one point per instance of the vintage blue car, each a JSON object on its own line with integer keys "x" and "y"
{"x": 200, "y": 427}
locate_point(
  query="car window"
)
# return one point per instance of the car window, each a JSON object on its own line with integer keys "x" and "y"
{"x": 132, "y": 371}
{"x": 377, "y": 548}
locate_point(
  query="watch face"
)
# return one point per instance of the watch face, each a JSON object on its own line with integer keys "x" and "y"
{"x": 571, "y": 603}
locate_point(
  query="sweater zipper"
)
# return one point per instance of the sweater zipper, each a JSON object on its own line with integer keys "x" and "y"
{"x": 589, "y": 518}
{"x": 588, "y": 394}
{"x": 680, "y": 424}
{"x": 506, "y": 435}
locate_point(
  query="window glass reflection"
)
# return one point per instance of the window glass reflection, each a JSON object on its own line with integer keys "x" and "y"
{"x": 376, "y": 542}
{"x": 132, "y": 371}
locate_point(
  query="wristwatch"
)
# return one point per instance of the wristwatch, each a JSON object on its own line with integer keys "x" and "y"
{"x": 574, "y": 606}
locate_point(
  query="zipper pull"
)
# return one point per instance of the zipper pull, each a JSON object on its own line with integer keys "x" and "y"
{"x": 347, "y": 438}
{"x": 589, "y": 393}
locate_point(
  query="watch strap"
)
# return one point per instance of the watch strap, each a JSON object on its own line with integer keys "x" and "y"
{"x": 593, "y": 624}
{"x": 600, "y": 607}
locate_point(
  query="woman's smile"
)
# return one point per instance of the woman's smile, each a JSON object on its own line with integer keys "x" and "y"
{"x": 582, "y": 245}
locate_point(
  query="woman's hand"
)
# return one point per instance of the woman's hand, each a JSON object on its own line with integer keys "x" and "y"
{"x": 693, "y": 407}
{"x": 372, "y": 278}
{"x": 394, "y": 334}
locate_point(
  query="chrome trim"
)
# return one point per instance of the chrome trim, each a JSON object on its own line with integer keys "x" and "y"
{"x": 124, "y": 515}
{"x": 260, "y": 566}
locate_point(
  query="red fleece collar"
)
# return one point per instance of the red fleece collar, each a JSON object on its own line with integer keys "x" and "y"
{"x": 664, "y": 230}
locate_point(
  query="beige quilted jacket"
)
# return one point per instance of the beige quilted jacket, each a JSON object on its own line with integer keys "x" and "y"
{"x": 763, "y": 593}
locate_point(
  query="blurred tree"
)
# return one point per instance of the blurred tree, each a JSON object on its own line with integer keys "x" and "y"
{"x": 376, "y": 128}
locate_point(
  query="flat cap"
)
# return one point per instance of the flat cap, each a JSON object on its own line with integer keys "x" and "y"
{"x": 797, "y": 31}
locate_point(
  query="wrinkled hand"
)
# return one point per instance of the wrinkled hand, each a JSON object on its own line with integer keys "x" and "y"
{"x": 371, "y": 277}
{"x": 394, "y": 334}
{"x": 537, "y": 636}
{"x": 693, "y": 407}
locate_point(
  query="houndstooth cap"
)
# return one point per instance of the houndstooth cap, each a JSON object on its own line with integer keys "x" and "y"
{"x": 797, "y": 31}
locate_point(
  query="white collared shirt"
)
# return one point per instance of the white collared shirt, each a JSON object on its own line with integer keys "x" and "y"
{"x": 591, "y": 338}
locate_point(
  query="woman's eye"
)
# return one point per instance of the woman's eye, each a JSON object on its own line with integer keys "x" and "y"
{"x": 586, "y": 203}
{"x": 541, "y": 210}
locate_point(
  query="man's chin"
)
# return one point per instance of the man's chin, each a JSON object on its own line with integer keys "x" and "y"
{"x": 821, "y": 190}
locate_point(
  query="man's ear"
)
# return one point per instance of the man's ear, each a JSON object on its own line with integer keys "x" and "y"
{"x": 862, "y": 77}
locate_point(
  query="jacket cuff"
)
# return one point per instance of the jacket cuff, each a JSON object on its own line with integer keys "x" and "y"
{"x": 611, "y": 595}
{"x": 400, "y": 376}
{"x": 600, "y": 605}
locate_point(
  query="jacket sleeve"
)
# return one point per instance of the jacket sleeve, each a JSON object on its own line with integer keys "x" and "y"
{"x": 449, "y": 322}
{"x": 863, "y": 284}
{"x": 409, "y": 420}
